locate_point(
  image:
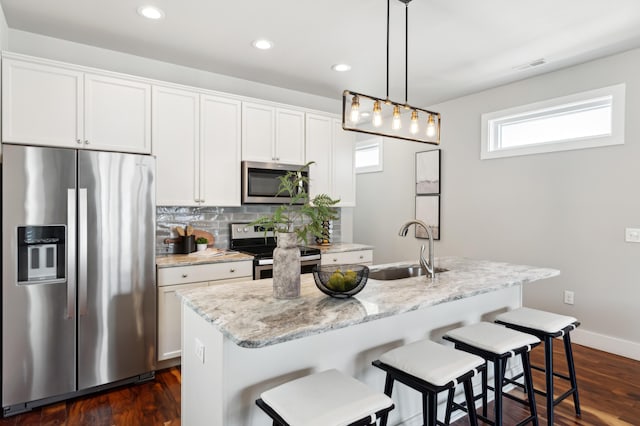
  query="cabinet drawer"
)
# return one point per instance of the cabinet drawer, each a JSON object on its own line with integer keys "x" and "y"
{"x": 360, "y": 256}
{"x": 206, "y": 272}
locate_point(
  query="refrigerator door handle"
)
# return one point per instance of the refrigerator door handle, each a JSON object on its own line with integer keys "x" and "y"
{"x": 82, "y": 251}
{"x": 71, "y": 253}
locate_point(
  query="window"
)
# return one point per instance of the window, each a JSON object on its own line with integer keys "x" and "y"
{"x": 584, "y": 120}
{"x": 369, "y": 155}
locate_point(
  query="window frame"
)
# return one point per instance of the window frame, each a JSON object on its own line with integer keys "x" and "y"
{"x": 548, "y": 108}
{"x": 360, "y": 145}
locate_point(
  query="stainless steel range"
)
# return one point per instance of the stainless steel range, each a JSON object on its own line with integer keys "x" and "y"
{"x": 251, "y": 240}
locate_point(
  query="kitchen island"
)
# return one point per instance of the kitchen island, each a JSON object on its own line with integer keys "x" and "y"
{"x": 239, "y": 341}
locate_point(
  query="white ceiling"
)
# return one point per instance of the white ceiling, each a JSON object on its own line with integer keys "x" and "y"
{"x": 456, "y": 47}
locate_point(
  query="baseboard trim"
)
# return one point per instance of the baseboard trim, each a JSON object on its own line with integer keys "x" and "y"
{"x": 614, "y": 345}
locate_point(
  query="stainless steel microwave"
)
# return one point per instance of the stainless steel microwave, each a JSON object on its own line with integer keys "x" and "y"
{"x": 261, "y": 181}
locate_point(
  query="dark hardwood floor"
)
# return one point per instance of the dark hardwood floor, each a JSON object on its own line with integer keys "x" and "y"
{"x": 151, "y": 403}
{"x": 609, "y": 388}
{"x": 609, "y": 395}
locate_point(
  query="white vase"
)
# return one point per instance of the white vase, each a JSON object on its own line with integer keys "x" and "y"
{"x": 201, "y": 247}
{"x": 286, "y": 267}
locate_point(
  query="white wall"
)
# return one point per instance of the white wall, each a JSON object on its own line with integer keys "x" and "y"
{"x": 4, "y": 31}
{"x": 81, "y": 54}
{"x": 566, "y": 210}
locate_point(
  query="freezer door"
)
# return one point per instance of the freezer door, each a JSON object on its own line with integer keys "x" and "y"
{"x": 116, "y": 267}
{"x": 38, "y": 310}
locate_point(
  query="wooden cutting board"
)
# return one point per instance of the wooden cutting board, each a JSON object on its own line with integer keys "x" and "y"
{"x": 198, "y": 233}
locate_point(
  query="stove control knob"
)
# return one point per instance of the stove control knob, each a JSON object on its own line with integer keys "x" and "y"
{"x": 239, "y": 229}
{"x": 246, "y": 229}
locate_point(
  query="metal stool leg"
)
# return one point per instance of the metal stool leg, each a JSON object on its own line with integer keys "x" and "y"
{"x": 447, "y": 415}
{"x": 471, "y": 405}
{"x": 528, "y": 382}
{"x": 572, "y": 372}
{"x": 497, "y": 391}
{"x": 548, "y": 363}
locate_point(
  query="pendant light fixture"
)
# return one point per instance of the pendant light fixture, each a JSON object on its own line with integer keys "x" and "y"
{"x": 384, "y": 117}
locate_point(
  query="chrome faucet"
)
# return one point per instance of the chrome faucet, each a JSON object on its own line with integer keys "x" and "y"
{"x": 428, "y": 265}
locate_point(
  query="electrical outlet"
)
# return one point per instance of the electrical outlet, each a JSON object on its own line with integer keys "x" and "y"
{"x": 199, "y": 349}
{"x": 568, "y": 297}
{"x": 632, "y": 235}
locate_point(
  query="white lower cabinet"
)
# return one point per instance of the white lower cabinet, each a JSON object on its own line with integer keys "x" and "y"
{"x": 171, "y": 280}
{"x": 360, "y": 257}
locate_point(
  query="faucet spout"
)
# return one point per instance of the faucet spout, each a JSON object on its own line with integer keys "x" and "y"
{"x": 426, "y": 264}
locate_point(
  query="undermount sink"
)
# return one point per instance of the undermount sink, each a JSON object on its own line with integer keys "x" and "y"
{"x": 399, "y": 272}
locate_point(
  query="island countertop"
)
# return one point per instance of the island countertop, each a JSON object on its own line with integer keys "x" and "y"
{"x": 248, "y": 315}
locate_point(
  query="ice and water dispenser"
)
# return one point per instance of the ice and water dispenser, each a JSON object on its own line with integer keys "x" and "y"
{"x": 41, "y": 254}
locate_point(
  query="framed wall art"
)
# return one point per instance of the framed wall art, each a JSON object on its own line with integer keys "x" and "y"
{"x": 428, "y": 172}
{"x": 428, "y": 211}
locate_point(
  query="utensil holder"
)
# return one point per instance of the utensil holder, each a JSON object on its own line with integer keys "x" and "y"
{"x": 188, "y": 244}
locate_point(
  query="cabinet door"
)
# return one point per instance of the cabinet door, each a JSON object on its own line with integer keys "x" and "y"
{"x": 344, "y": 176}
{"x": 41, "y": 104}
{"x": 289, "y": 147}
{"x": 319, "y": 131}
{"x": 117, "y": 114}
{"x": 170, "y": 320}
{"x": 220, "y": 157}
{"x": 176, "y": 145}
{"x": 258, "y": 132}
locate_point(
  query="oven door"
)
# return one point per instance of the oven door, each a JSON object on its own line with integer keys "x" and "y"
{"x": 266, "y": 271}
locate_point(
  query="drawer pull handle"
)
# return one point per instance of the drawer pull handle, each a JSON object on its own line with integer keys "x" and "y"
{"x": 232, "y": 270}
{"x": 185, "y": 275}
{"x": 335, "y": 260}
{"x": 361, "y": 257}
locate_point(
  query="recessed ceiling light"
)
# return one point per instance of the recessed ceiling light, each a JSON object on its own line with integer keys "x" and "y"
{"x": 341, "y": 67}
{"x": 150, "y": 12}
{"x": 262, "y": 44}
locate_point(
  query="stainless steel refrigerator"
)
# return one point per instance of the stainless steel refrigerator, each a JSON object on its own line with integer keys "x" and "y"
{"x": 78, "y": 273}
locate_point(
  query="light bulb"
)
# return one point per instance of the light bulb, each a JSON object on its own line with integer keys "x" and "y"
{"x": 355, "y": 109}
{"x": 395, "y": 125}
{"x": 377, "y": 114}
{"x": 414, "y": 122}
{"x": 431, "y": 126}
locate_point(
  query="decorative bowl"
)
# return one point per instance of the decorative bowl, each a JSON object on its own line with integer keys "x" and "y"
{"x": 340, "y": 281}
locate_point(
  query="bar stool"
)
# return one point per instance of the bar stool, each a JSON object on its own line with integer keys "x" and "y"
{"x": 329, "y": 398}
{"x": 497, "y": 344}
{"x": 430, "y": 368}
{"x": 546, "y": 326}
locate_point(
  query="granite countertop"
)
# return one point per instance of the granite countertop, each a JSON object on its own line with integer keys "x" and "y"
{"x": 341, "y": 247}
{"x": 250, "y": 317}
{"x": 210, "y": 255}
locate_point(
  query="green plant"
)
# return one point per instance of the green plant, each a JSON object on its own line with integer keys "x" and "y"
{"x": 303, "y": 215}
{"x": 202, "y": 240}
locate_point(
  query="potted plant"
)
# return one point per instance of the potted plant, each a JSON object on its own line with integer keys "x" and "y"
{"x": 291, "y": 223}
{"x": 201, "y": 243}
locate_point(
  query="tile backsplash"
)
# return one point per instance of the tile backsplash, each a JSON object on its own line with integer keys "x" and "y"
{"x": 215, "y": 220}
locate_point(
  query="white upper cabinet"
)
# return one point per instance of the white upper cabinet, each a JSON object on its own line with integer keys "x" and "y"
{"x": 41, "y": 104}
{"x": 331, "y": 148}
{"x": 57, "y": 105}
{"x": 176, "y": 145}
{"x": 272, "y": 134}
{"x": 319, "y": 132}
{"x": 289, "y": 143}
{"x": 343, "y": 166}
{"x": 196, "y": 141}
{"x": 117, "y": 114}
{"x": 220, "y": 133}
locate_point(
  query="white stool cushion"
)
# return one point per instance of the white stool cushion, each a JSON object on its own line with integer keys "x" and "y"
{"x": 327, "y": 398}
{"x": 537, "y": 320}
{"x": 492, "y": 337}
{"x": 432, "y": 362}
